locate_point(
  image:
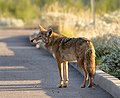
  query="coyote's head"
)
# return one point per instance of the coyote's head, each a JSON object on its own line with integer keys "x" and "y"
{"x": 43, "y": 35}
{"x": 38, "y": 37}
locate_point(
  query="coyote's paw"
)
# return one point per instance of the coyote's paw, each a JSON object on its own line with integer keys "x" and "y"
{"x": 90, "y": 86}
{"x": 83, "y": 86}
{"x": 61, "y": 84}
{"x": 65, "y": 84}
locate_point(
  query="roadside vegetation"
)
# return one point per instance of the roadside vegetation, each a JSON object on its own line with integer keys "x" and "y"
{"x": 29, "y": 10}
{"x": 73, "y": 18}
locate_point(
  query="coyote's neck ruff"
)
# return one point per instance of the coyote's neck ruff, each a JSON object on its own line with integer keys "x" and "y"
{"x": 71, "y": 49}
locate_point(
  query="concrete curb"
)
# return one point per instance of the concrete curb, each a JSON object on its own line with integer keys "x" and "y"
{"x": 104, "y": 80}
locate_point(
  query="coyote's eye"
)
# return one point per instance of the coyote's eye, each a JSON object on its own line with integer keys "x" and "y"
{"x": 39, "y": 36}
{"x": 45, "y": 40}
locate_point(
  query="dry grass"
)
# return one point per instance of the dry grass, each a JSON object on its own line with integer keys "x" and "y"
{"x": 75, "y": 23}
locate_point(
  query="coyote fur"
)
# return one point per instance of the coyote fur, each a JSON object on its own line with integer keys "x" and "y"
{"x": 66, "y": 50}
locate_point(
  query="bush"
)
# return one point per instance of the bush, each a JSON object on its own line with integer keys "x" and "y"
{"x": 111, "y": 63}
{"x": 108, "y": 53}
{"x": 105, "y": 6}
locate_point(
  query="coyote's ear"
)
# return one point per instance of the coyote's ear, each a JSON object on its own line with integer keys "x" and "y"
{"x": 49, "y": 32}
{"x": 41, "y": 28}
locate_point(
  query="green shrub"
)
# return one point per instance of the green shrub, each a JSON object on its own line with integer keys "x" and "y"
{"x": 108, "y": 53}
{"x": 111, "y": 63}
{"x": 105, "y": 6}
{"x": 23, "y": 9}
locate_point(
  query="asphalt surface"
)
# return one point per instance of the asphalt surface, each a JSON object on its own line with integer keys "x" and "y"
{"x": 27, "y": 72}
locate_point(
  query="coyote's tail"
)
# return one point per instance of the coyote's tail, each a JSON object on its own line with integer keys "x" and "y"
{"x": 90, "y": 60}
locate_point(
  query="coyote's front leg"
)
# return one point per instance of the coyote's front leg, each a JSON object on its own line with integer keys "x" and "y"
{"x": 65, "y": 64}
{"x": 60, "y": 67}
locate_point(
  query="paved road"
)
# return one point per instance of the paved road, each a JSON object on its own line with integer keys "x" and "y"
{"x": 27, "y": 72}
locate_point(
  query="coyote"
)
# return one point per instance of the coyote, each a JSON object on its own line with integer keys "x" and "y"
{"x": 66, "y": 50}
